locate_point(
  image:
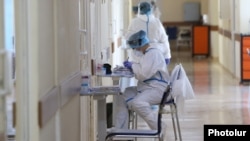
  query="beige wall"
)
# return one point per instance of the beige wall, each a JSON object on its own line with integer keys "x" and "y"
{"x": 48, "y": 70}
{"x": 172, "y": 10}
{"x": 59, "y": 58}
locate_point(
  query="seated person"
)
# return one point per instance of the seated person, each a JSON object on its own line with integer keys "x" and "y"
{"x": 152, "y": 75}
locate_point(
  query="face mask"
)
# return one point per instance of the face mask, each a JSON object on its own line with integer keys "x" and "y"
{"x": 138, "y": 53}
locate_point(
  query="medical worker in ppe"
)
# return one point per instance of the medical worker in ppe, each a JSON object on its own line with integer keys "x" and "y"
{"x": 152, "y": 75}
{"x": 156, "y": 33}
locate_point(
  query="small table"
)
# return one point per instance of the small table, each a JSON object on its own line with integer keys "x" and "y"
{"x": 100, "y": 93}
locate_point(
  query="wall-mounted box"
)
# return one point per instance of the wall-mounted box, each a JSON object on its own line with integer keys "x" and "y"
{"x": 191, "y": 11}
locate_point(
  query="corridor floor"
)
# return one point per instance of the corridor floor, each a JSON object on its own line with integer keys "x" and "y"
{"x": 219, "y": 97}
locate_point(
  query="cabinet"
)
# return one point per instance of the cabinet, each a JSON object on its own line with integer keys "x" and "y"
{"x": 245, "y": 58}
{"x": 201, "y": 40}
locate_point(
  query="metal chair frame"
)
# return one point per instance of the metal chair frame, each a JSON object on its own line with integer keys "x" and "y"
{"x": 175, "y": 119}
{"x": 136, "y": 133}
{"x": 173, "y": 111}
{"x": 174, "y": 116}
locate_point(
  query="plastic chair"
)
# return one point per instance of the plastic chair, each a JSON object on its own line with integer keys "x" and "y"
{"x": 136, "y": 133}
{"x": 184, "y": 38}
{"x": 172, "y": 32}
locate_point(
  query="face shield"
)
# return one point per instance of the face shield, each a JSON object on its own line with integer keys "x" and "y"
{"x": 135, "y": 43}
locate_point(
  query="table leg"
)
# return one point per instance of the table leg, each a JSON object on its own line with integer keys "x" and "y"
{"x": 102, "y": 122}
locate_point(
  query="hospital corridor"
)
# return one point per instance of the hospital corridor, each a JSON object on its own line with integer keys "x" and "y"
{"x": 219, "y": 98}
{"x": 124, "y": 70}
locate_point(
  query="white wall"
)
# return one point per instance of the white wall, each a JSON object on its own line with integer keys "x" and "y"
{"x": 229, "y": 51}
{"x": 213, "y": 17}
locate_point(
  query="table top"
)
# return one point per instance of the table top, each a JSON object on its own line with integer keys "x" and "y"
{"x": 108, "y": 90}
{"x": 102, "y": 90}
{"x": 117, "y": 75}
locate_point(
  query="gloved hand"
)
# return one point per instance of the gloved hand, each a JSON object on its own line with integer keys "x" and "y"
{"x": 167, "y": 60}
{"x": 127, "y": 64}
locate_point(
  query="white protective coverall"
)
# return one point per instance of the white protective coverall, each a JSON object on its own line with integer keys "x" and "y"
{"x": 155, "y": 32}
{"x": 152, "y": 75}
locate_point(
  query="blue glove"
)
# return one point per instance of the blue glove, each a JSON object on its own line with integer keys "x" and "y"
{"x": 167, "y": 60}
{"x": 127, "y": 64}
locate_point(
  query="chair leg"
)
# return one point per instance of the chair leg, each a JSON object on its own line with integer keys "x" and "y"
{"x": 133, "y": 120}
{"x": 173, "y": 120}
{"x": 132, "y": 124}
{"x": 178, "y": 124}
{"x": 160, "y": 137}
{"x": 108, "y": 139}
{"x": 136, "y": 121}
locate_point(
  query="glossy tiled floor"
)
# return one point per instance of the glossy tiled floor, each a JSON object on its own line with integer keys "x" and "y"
{"x": 220, "y": 99}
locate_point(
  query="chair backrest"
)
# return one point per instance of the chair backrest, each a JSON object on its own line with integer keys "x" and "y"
{"x": 161, "y": 106}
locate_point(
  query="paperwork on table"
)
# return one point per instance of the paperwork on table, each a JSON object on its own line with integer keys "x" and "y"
{"x": 119, "y": 71}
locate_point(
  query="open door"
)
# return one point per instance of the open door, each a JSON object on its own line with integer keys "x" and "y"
{"x": 5, "y": 88}
{"x": 5, "y": 73}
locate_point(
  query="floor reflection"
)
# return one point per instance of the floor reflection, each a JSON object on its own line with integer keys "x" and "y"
{"x": 220, "y": 99}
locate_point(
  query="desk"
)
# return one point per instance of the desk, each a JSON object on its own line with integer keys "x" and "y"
{"x": 100, "y": 93}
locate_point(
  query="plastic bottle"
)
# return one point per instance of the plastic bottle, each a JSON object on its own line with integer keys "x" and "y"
{"x": 103, "y": 71}
{"x": 85, "y": 84}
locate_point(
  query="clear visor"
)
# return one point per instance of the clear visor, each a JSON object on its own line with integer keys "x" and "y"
{"x": 135, "y": 42}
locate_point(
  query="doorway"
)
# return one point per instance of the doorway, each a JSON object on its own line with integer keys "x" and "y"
{"x": 10, "y": 47}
